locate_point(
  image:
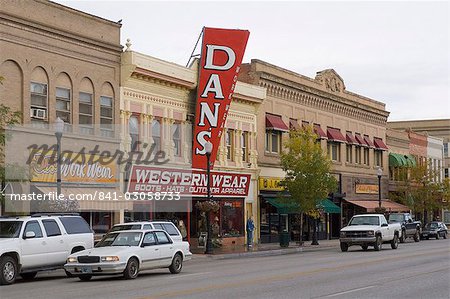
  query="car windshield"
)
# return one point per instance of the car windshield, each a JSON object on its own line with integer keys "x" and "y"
{"x": 365, "y": 220}
{"x": 10, "y": 229}
{"x": 431, "y": 225}
{"x": 396, "y": 218}
{"x": 125, "y": 227}
{"x": 120, "y": 239}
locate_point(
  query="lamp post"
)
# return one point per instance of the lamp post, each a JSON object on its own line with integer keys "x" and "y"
{"x": 379, "y": 174}
{"x": 59, "y": 127}
{"x": 208, "y": 149}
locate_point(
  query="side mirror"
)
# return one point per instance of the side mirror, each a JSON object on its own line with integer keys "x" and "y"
{"x": 30, "y": 235}
{"x": 410, "y": 220}
{"x": 384, "y": 224}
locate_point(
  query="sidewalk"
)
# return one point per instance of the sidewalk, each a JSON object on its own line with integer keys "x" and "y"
{"x": 270, "y": 249}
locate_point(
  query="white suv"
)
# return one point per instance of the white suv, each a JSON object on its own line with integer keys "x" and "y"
{"x": 167, "y": 226}
{"x": 37, "y": 243}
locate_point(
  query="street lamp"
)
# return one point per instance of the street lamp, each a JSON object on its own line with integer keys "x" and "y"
{"x": 379, "y": 174}
{"x": 59, "y": 127}
{"x": 208, "y": 149}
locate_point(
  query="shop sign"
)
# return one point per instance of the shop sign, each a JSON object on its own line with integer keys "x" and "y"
{"x": 366, "y": 189}
{"x": 186, "y": 182}
{"x": 270, "y": 184}
{"x": 221, "y": 57}
{"x": 78, "y": 168}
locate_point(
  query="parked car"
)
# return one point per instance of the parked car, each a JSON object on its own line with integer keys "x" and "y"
{"x": 434, "y": 229}
{"x": 129, "y": 252}
{"x": 369, "y": 230}
{"x": 167, "y": 226}
{"x": 410, "y": 228}
{"x": 37, "y": 243}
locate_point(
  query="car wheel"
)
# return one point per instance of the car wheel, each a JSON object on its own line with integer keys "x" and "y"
{"x": 445, "y": 235}
{"x": 344, "y": 247}
{"x": 394, "y": 242}
{"x": 177, "y": 264}
{"x": 28, "y": 275}
{"x": 403, "y": 237}
{"x": 8, "y": 268}
{"x": 85, "y": 277}
{"x": 417, "y": 236}
{"x": 378, "y": 243}
{"x": 364, "y": 247}
{"x": 132, "y": 269}
{"x": 428, "y": 238}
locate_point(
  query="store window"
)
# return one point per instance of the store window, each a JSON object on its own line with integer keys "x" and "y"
{"x": 334, "y": 151}
{"x": 229, "y": 141}
{"x": 244, "y": 145}
{"x": 133, "y": 129}
{"x": 176, "y": 138}
{"x": 232, "y": 218}
{"x": 63, "y": 104}
{"x": 106, "y": 116}
{"x": 156, "y": 133}
{"x": 349, "y": 153}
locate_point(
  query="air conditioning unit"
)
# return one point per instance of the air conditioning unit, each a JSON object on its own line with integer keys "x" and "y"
{"x": 38, "y": 113}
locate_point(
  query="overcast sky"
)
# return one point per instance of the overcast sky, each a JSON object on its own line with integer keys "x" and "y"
{"x": 394, "y": 52}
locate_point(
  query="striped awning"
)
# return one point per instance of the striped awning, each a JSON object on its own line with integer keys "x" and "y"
{"x": 335, "y": 135}
{"x": 275, "y": 122}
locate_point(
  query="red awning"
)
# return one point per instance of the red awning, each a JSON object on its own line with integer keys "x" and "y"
{"x": 360, "y": 140}
{"x": 371, "y": 205}
{"x": 379, "y": 144}
{"x": 318, "y": 130}
{"x": 368, "y": 141}
{"x": 274, "y": 122}
{"x": 335, "y": 135}
{"x": 293, "y": 124}
{"x": 350, "y": 138}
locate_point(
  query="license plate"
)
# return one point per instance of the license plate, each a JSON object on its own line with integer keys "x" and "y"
{"x": 86, "y": 270}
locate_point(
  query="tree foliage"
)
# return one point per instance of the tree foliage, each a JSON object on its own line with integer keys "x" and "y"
{"x": 307, "y": 168}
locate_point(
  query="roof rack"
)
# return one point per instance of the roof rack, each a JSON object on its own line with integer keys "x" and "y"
{"x": 54, "y": 214}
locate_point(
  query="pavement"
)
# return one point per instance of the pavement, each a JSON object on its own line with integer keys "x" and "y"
{"x": 268, "y": 249}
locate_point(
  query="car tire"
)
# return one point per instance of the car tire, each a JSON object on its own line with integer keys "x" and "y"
{"x": 344, "y": 247}
{"x": 378, "y": 243}
{"x": 365, "y": 247}
{"x": 28, "y": 275}
{"x": 132, "y": 269}
{"x": 394, "y": 242}
{"x": 403, "y": 237}
{"x": 417, "y": 236}
{"x": 428, "y": 238}
{"x": 85, "y": 277}
{"x": 445, "y": 235}
{"x": 8, "y": 270}
{"x": 177, "y": 264}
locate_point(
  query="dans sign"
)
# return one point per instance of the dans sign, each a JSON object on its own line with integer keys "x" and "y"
{"x": 222, "y": 53}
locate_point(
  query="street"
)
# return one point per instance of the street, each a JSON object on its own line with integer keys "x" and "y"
{"x": 414, "y": 270}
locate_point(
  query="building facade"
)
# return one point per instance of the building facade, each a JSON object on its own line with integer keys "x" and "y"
{"x": 351, "y": 128}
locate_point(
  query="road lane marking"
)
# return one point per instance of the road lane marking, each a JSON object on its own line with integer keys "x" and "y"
{"x": 349, "y": 291}
{"x": 188, "y": 275}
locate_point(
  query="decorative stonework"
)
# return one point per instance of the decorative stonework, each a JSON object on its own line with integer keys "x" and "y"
{"x": 331, "y": 80}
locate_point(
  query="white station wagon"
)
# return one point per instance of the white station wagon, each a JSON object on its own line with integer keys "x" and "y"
{"x": 129, "y": 252}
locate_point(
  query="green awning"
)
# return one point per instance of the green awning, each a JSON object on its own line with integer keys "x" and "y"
{"x": 410, "y": 160}
{"x": 397, "y": 160}
{"x": 329, "y": 207}
{"x": 282, "y": 207}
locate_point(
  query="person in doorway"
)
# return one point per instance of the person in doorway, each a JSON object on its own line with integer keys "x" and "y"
{"x": 182, "y": 229}
{"x": 250, "y": 228}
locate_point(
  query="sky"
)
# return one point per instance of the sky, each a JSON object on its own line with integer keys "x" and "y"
{"x": 397, "y": 53}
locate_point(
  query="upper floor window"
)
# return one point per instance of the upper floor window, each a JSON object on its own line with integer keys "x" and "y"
{"x": 349, "y": 153}
{"x": 133, "y": 127}
{"x": 63, "y": 104}
{"x": 229, "y": 141}
{"x": 358, "y": 155}
{"x": 334, "y": 151}
{"x": 86, "y": 112}
{"x": 106, "y": 115}
{"x": 176, "y": 138}
{"x": 366, "y": 156}
{"x": 39, "y": 101}
{"x": 378, "y": 158}
{"x": 244, "y": 146}
{"x": 273, "y": 141}
{"x": 446, "y": 149}
{"x": 156, "y": 133}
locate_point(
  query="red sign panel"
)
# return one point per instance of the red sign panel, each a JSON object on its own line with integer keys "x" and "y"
{"x": 222, "y": 53}
{"x": 188, "y": 183}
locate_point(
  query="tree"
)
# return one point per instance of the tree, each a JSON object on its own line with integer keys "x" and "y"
{"x": 8, "y": 118}
{"x": 307, "y": 168}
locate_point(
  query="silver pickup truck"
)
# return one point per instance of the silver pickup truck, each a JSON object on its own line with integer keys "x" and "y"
{"x": 369, "y": 230}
